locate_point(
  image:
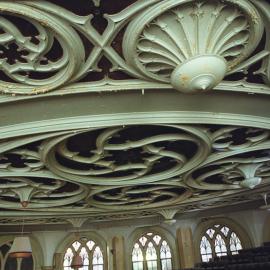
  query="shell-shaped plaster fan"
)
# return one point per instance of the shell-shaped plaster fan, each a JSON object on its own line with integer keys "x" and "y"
{"x": 192, "y": 44}
{"x": 249, "y": 173}
{"x": 251, "y": 182}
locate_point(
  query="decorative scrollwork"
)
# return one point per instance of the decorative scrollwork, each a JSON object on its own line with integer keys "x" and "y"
{"x": 233, "y": 138}
{"x": 126, "y": 155}
{"x": 264, "y": 70}
{"x": 33, "y": 67}
{"x": 45, "y": 47}
{"x": 231, "y": 174}
{"x": 146, "y": 166}
{"x": 21, "y": 160}
{"x": 144, "y": 196}
{"x": 33, "y": 193}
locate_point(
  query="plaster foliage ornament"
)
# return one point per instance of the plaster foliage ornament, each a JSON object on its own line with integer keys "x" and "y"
{"x": 124, "y": 215}
{"x": 38, "y": 193}
{"x": 33, "y": 221}
{"x": 126, "y": 155}
{"x": 231, "y": 173}
{"x": 192, "y": 44}
{"x": 77, "y": 222}
{"x": 169, "y": 215}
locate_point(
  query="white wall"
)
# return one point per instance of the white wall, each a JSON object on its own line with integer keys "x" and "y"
{"x": 252, "y": 221}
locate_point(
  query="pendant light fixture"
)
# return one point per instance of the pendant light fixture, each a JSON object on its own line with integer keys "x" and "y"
{"x": 77, "y": 262}
{"x": 21, "y": 246}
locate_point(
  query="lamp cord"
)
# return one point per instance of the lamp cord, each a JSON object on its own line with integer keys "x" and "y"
{"x": 23, "y": 227}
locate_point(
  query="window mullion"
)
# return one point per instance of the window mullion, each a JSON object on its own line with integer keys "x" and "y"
{"x": 157, "y": 248}
{"x": 212, "y": 243}
{"x": 90, "y": 257}
{"x": 144, "y": 259}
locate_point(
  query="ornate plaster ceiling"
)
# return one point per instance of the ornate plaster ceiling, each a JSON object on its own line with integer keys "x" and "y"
{"x": 133, "y": 168}
{"x": 93, "y": 121}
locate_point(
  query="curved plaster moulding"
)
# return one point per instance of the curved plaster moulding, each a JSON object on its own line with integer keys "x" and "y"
{"x": 192, "y": 44}
{"x": 109, "y": 162}
{"x": 105, "y": 173}
{"x": 39, "y": 193}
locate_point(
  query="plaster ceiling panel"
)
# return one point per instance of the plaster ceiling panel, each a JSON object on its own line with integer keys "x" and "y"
{"x": 133, "y": 168}
{"x": 49, "y": 46}
{"x": 135, "y": 108}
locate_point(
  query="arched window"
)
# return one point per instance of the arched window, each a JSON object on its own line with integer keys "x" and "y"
{"x": 90, "y": 252}
{"x": 7, "y": 263}
{"x": 219, "y": 240}
{"x": 151, "y": 252}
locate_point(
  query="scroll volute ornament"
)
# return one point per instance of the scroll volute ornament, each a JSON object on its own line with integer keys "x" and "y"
{"x": 192, "y": 44}
{"x": 35, "y": 71}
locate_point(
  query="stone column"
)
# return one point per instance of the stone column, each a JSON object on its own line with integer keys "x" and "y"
{"x": 119, "y": 253}
{"x": 185, "y": 247}
{"x": 57, "y": 262}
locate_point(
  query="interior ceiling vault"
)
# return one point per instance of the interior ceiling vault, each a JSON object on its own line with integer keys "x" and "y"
{"x": 99, "y": 121}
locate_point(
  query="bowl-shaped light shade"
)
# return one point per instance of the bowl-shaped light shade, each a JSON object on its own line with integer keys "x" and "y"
{"x": 77, "y": 262}
{"x": 21, "y": 248}
{"x": 200, "y": 73}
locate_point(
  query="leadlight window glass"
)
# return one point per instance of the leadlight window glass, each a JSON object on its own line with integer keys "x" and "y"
{"x": 90, "y": 252}
{"x": 151, "y": 252}
{"x": 7, "y": 263}
{"x": 219, "y": 240}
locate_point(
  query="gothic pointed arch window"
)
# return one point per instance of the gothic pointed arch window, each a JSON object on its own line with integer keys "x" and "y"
{"x": 151, "y": 252}
{"x": 219, "y": 240}
{"x": 90, "y": 252}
